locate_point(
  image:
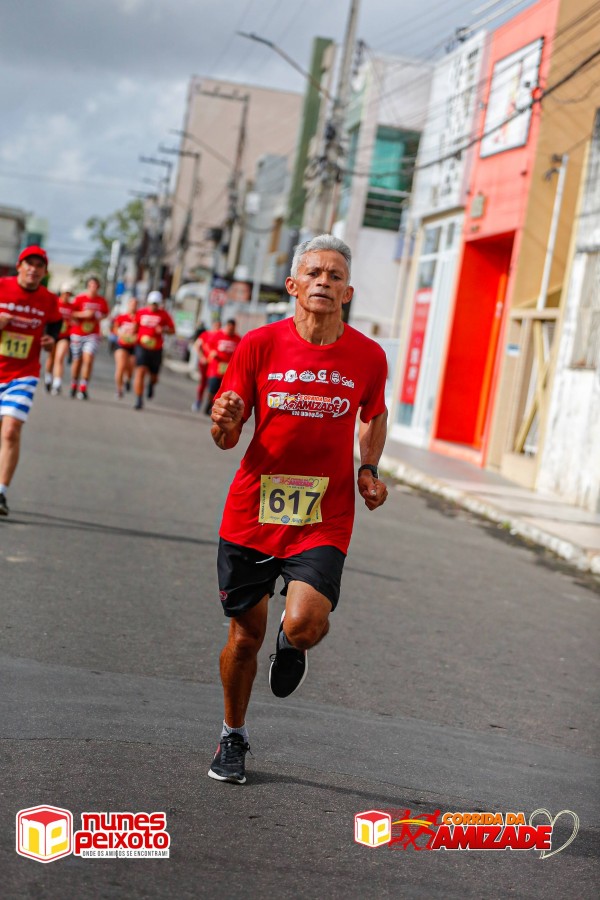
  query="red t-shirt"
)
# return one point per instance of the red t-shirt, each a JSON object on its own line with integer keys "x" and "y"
{"x": 30, "y": 312}
{"x": 305, "y": 399}
{"x": 84, "y": 303}
{"x": 124, "y": 327}
{"x": 151, "y": 325}
{"x": 223, "y": 346}
{"x": 65, "y": 308}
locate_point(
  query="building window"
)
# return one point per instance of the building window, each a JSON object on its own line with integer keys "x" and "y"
{"x": 391, "y": 177}
{"x": 586, "y": 348}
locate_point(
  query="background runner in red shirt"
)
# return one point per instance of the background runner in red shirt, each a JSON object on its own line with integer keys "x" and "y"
{"x": 88, "y": 311}
{"x": 220, "y": 347}
{"x": 55, "y": 362}
{"x": 124, "y": 327}
{"x": 152, "y": 323}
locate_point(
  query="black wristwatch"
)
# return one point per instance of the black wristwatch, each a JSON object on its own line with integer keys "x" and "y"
{"x": 372, "y": 469}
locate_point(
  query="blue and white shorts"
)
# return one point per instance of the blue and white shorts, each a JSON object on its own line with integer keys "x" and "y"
{"x": 84, "y": 343}
{"x": 16, "y": 397}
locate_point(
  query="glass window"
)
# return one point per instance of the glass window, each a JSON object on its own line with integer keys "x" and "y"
{"x": 426, "y": 273}
{"x": 431, "y": 242}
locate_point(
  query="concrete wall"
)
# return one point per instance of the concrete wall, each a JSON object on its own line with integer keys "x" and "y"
{"x": 272, "y": 127}
{"x": 570, "y": 464}
{"x": 374, "y": 275}
{"x": 12, "y": 226}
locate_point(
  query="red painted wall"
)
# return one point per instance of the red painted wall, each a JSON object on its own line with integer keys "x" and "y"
{"x": 504, "y": 178}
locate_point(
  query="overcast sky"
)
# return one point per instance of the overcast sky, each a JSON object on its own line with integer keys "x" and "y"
{"x": 86, "y": 86}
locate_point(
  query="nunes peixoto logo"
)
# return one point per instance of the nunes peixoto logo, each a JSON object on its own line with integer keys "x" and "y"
{"x": 400, "y": 830}
{"x": 46, "y": 833}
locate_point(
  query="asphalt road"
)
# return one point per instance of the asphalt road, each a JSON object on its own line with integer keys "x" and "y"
{"x": 460, "y": 674}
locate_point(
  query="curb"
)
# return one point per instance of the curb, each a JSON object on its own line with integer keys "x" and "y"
{"x": 566, "y": 550}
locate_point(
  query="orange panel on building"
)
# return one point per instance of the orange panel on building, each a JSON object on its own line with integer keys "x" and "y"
{"x": 499, "y": 189}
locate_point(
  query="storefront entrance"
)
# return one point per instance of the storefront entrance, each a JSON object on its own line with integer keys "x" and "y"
{"x": 466, "y": 389}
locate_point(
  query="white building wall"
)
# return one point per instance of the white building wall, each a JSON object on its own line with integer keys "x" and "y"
{"x": 571, "y": 458}
{"x": 570, "y": 464}
{"x": 449, "y": 126}
{"x": 386, "y": 101}
{"x": 374, "y": 275}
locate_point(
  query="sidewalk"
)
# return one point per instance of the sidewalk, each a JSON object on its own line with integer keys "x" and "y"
{"x": 570, "y": 532}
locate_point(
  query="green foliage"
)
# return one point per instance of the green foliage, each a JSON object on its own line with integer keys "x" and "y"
{"x": 124, "y": 225}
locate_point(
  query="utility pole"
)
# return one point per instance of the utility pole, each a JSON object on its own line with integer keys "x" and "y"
{"x": 184, "y": 238}
{"x": 225, "y": 258}
{"x": 163, "y": 210}
{"x": 329, "y": 162}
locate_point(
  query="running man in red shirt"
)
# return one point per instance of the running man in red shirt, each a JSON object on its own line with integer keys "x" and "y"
{"x": 88, "y": 311}
{"x": 152, "y": 323}
{"x": 29, "y": 320}
{"x": 124, "y": 327}
{"x": 220, "y": 347}
{"x": 55, "y": 362}
{"x": 290, "y": 508}
{"x": 202, "y": 347}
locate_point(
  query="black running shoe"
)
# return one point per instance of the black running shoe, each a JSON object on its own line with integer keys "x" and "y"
{"x": 288, "y": 668}
{"x": 48, "y": 386}
{"x": 139, "y": 403}
{"x": 150, "y": 391}
{"x": 73, "y": 390}
{"x": 127, "y": 386}
{"x": 82, "y": 394}
{"x": 229, "y": 763}
{"x": 4, "y": 510}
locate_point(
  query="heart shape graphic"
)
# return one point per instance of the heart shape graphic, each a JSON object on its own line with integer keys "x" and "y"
{"x": 343, "y": 407}
{"x": 546, "y": 854}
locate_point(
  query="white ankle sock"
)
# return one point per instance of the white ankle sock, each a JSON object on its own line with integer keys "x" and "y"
{"x": 227, "y": 730}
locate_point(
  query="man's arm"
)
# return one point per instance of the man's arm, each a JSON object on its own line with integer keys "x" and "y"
{"x": 50, "y": 336}
{"x": 371, "y": 439}
{"x": 227, "y": 414}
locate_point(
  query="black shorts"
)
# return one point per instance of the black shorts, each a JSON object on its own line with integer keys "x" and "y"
{"x": 151, "y": 359}
{"x": 246, "y": 575}
{"x": 214, "y": 383}
{"x": 128, "y": 348}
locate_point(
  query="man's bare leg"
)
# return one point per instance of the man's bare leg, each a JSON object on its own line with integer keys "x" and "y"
{"x": 239, "y": 661}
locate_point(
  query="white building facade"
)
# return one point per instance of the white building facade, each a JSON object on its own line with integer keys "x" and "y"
{"x": 433, "y": 231}
{"x": 570, "y": 464}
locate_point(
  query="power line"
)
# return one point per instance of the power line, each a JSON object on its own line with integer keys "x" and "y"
{"x": 32, "y": 176}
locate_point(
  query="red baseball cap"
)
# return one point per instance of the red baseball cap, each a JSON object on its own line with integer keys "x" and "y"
{"x": 33, "y": 250}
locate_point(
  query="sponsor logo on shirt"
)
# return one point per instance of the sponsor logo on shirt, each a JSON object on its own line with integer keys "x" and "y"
{"x": 24, "y": 324}
{"x": 336, "y": 378}
{"x": 311, "y": 405}
{"x": 307, "y": 376}
{"x": 17, "y": 307}
{"x": 291, "y": 375}
{"x": 322, "y": 375}
{"x": 275, "y": 376}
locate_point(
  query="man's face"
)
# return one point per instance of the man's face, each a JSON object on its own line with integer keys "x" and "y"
{"x": 66, "y": 296}
{"x": 31, "y": 272}
{"x": 132, "y": 307}
{"x": 230, "y": 329}
{"x": 321, "y": 285}
{"x": 92, "y": 287}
